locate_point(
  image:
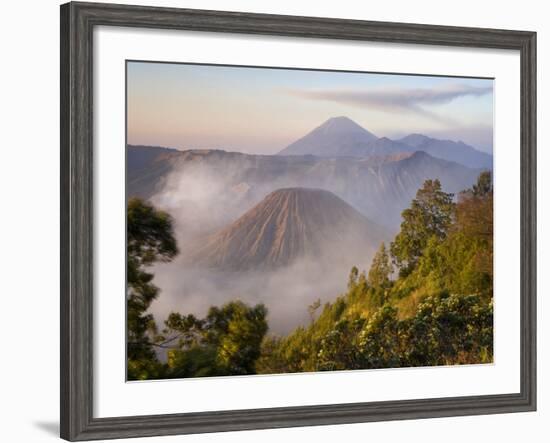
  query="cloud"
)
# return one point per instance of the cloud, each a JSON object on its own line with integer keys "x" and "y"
{"x": 396, "y": 99}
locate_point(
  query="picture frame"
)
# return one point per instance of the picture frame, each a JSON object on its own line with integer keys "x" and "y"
{"x": 78, "y": 21}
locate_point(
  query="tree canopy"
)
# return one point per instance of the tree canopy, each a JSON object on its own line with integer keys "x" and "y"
{"x": 150, "y": 238}
{"x": 381, "y": 269}
{"x": 226, "y": 342}
{"x": 429, "y": 215}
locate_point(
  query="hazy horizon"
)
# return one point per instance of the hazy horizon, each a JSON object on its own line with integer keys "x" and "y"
{"x": 263, "y": 110}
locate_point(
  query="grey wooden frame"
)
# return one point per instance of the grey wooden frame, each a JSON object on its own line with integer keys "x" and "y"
{"x": 77, "y": 23}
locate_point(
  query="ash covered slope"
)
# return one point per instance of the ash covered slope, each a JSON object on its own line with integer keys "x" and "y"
{"x": 287, "y": 225}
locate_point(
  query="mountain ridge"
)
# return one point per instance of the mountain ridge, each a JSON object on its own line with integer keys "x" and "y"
{"x": 456, "y": 151}
{"x": 379, "y": 187}
{"x": 342, "y": 137}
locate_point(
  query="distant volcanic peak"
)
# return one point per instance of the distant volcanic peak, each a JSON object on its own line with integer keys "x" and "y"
{"x": 334, "y": 138}
{"x": 288, "y": 224}
{"x": 342, "y": 125}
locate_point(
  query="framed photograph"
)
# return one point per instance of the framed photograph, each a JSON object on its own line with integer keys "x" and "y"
{"x": 272, "y": 221}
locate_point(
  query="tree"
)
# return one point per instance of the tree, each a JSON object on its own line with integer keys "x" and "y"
{"x": 226, "y": 342}
{"x": 272, "y": 360}
{"x": 381, "y": 342}
{"x": 352, "y": 279}
{"x": 312, "y": 308}
{"x": 381, "y": 269}
{"x": 429, "y": 215}
{"x": 450, "y": 329}
{"x": 484, "y": 185}
{"x": 150, "y": 239}
{"x": 462, "y": 263}
{"x": 474, "y": 214}
{"x": 474, "y": 221}
{"x": 338, "y": 349}
{"x": 240, "y": 343}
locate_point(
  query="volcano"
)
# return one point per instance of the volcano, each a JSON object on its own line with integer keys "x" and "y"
{"x": 338, "y": 136}
{"x": 287, "y": 225}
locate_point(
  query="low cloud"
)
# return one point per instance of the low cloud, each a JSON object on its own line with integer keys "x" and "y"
{"x": 396, "y": 99}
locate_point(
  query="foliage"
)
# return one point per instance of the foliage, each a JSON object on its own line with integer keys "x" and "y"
{"x": 484, "y": 185}
{"x": 226, "y": 342}
{"x": 463, "y": 262}
{"x": 338, "y": 349}
{"x": 381, "y": 269}
{"x": 430, "y": 215}
{"x": 353, "y": 276}
{"x": 450, "y": 329}
{"x": 380, "y": 341}
{"x": 312, "y": 309}
{"x": 445, "y": 330}
{"x": 150, "y": 238}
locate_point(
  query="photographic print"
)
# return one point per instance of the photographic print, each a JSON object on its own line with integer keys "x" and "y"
{"x": 293, "y": 220}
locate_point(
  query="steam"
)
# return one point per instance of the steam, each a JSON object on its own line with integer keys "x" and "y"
{"x": 286, "y": 292}
{"x": 200, "y": 200}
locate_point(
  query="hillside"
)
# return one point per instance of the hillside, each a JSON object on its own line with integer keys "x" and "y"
{"x": 146, "y": 167}
{"x": 287, "y": 225}
{"x": 379, "y": 187}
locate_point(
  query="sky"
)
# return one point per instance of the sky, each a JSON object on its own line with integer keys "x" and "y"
{"x": 263, "y": 110}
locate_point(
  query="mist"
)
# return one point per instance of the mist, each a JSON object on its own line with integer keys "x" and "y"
{"x": 202, "y": 200}
{"x": 286, "y": 292}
